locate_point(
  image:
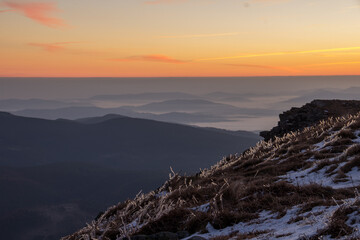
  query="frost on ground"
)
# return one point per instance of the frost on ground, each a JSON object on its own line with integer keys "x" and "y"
{"x": 293, "y": 225}
{"x": 300, "y": 186}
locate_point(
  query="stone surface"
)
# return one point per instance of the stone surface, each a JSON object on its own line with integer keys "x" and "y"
{"x": 310, "y": 114}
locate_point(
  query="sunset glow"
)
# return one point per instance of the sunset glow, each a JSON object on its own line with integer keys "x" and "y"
{"x": 166, "y": 38}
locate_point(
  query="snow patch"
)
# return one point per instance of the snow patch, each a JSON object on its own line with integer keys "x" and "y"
{"x": 202, "y": 208}
{"x": 274, "y": 228}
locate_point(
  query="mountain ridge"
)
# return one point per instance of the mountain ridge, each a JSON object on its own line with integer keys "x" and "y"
{"x": 302, "y": 185}
{"x": 57, "y": 174}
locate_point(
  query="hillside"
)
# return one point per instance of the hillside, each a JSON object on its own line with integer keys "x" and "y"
{"x": 56, "y": 175}
{"x": 125, "y": 142}
{"x": 300, "y": 186}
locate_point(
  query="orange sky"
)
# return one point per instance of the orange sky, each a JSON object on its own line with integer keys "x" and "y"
{"x": 147, "y": 38}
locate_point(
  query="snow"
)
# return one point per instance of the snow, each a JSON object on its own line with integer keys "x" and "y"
{"x": 278, "y": 228}
{"x": 354, "y": 220}
{"x": 320, "y": 145}
{"x": 306, "y": 177}
{"x": 202, "y": 208}
{"x": 354, "y": 176}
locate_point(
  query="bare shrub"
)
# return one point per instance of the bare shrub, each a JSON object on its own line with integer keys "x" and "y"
{"x": 350, "y": 165}
{"x": 353, "y": 150}
{"x": 346, "y": 133}
{"x": 338, "y": 227}
{"x": 340, "y": 142}
{"x": 355, "y": 125}
{"x": 171, "y": 222}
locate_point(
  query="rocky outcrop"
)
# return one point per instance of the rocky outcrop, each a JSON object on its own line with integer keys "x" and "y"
{"x": 310, "y": 114}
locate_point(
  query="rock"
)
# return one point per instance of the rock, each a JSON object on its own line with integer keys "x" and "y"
{"x": 310, "y": 114}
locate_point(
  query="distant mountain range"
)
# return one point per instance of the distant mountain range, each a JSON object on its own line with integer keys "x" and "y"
{"x": 34, "y": 103}
{"x": 155, "y": 96}
{"x": 180, "y": 111}
{"x": 344, "y": 94}
{"x": 251, "y": 110}
{"x": 56, "y": 174}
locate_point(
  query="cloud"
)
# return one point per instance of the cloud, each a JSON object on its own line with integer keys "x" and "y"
{"x": 330, "y": 64}
{"x": 150, "y": 58}
{"x": 287, "y": 69}
{"x": 52, "y": 47}
{"x": 202, "y": 35}
{"x": 270, "y": 1}
{"x": 37, "y": 11}
{"x": 282, "y": 53}
{"x": 155, "y": 2}
{"x": 7, "y": 10}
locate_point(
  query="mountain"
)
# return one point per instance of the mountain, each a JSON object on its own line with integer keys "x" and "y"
{"x": 156, "y": 96}
{"x": 177, "y": 111}
{"x": 115, "y": 142}
{"x": 194, "y": 105}
{"x": 20, "y": 104}
{"x": 226, "y": 97}
{"x": 303, "y": 185}
{"x": 346, "y": 94}
{"x": 93, "y": 120}
{"x": 74, "y": 113}
{"x": 57, "y": 174}
{"x": 54, "y": 199}
{"x": 201, "y": 106}
{"x": 69, "y": 112}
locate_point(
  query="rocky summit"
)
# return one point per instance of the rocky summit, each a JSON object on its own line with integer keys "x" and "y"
{"x": 310, "y": 114}
{"x": 303, "y": 185}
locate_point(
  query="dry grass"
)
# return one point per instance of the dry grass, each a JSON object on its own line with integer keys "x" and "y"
{"x": 355, "y": 124}
{"x": 170, "y": 222}
{"x": 353, "y": 150}
{"x": 346, "y": 133}
{"x": 350, "y": 165}
{"x": 337, "y": 227}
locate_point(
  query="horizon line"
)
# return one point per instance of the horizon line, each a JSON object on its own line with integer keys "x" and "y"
{"x": 260, "y": 76}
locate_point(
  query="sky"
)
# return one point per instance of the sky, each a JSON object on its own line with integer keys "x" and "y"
{"x": 179, "y": 38}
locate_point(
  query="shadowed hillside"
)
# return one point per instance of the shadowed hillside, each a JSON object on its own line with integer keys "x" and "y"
{"x": 56, "y": 175}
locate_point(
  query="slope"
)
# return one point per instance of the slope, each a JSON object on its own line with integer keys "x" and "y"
{"x": 300, "y": 186}
{"x": 55, "y": 175}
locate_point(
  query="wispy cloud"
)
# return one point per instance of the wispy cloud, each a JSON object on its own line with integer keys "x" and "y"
{"x": 37, "y": 11}
{"x": 52, "y": 47}
{"x": 154, "y": 2}
{"x": 331, "y": 64}
{"x": 270, "y": 1}
{"x": 6, "y": 10}
{"x": 282, "y": 53}
{"x": 150, "y": 58}
{"x": 287, "y": 69}
{"x": 202, "y": 35}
